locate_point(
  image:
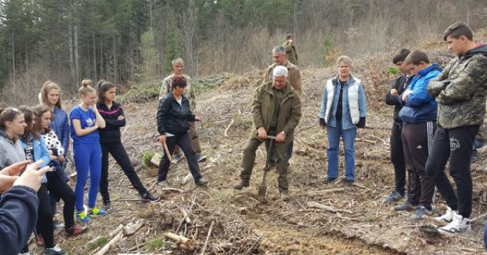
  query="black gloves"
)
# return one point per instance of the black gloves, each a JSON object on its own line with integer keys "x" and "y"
{"x": 361, "y": 123}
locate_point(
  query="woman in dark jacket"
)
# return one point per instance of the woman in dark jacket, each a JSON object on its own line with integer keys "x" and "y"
{"x": 110, "y": 140}
{"x": 173, "y": 126}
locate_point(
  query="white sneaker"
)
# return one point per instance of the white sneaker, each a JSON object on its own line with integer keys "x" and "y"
{"x": 447, "y": 217}
{"x": 24, "y": 253}
{"x": 458, "y": 225}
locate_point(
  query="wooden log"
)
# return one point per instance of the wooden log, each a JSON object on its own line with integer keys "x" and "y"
{"x": 133, "y": 227}
{"x": 94, "y": 240}
{"x": 156, "y": 159}
{"x": 110, "y": 244}
{"x": 327, "y": 208}
{"x": 183, "y": 242}
{"x": 116, "y": 231}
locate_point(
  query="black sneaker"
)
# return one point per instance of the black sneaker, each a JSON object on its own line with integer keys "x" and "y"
{"x": 329, "y": 180}
{"x": 106, "y": 206}
{"x": 393, "y": 197}
{"x": 150, "y": 197}
{"x": 349, "y": 182}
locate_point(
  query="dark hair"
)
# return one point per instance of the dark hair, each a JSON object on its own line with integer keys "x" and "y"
{"x": 103, "y": 86}
{"x": 29, "y": 116}
{"x": 8, "y": 114}
{"x": 178, "y": 81}
{"x": 400, "y": 56}
{"x": 416, "y": 57}
{"x": 458, "y": 29}
{"x": 39, "y": 110}
{"x": 289, "y": 36}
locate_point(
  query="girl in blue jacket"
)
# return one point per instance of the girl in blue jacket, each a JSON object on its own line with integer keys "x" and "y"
{"x": 50, "y": 95}
{"x": 35, "y": 149}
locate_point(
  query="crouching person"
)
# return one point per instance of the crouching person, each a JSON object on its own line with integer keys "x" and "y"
{"x": 276, "y": 110}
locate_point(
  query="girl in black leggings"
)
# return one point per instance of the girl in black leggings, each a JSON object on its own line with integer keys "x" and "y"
{"x": 110, "y": 139}
{"x": 35, "y": 149}
{"x": 55, "y": 183}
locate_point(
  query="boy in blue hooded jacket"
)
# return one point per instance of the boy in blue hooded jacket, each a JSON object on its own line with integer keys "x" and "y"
{"x": 419, "y": 117}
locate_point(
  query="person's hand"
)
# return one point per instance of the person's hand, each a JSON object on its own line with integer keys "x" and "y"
{"x": 322, "y": 123}
{"x": 162, "y": 139}
{"x": 60, "y": 158}
{"x": 96, "y": 125}
{"x": 262, "y": 133}
{"x": 121, "y": 117}
{"x": 406, "y": 94}
{"x": 394, "y": 92}
{"x": 10, "y": 174}
{"x": 32, "y": 176}
{"x": 281, "y": 137}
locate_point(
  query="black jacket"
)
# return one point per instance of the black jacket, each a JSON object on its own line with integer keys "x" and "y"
{"x": 18, "y": 217}
{"x": 111, "y": 133}
{"x": 173, "y": 117}
{"x": 400, "y": 85}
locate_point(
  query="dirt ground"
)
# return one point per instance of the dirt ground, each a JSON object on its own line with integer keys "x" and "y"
{"x": 361, "y": 223}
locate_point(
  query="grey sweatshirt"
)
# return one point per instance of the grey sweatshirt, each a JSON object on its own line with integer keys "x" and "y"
{"x": 10, "y": 152}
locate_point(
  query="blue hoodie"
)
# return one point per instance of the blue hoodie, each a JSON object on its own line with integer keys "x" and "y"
{"x": 18, "y": 217}
{"x": 420, "y": 107}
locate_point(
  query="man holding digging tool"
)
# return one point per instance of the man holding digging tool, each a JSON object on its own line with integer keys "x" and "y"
{"x": 276, "y": 111}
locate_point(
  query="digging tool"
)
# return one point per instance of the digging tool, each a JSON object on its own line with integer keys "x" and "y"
{"x": 166, "y": 151}
{"x": 263, "y": 187}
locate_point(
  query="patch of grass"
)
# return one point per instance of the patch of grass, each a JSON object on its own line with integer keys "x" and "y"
{"x": 146, "y": 157}
{"x": 99, "y": 242}
{"x": 141, "y": 91}
{"x": 155, "y": 244}
{"x": 393, "y": 70}
{"x": 219, "y": 195}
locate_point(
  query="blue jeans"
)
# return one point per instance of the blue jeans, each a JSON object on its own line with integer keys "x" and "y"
{"x": 348, "y": 136}
{"x": 485, "y": 235}
{"x": 87, "y": 157}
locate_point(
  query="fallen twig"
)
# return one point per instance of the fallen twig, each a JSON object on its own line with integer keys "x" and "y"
{"x": 207, "y": 238}
{"x": 226, "y": 129}
{"x": 327, "y": 208}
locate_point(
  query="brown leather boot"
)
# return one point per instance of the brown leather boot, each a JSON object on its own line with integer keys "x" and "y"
{"x": 241, "y": 184}
{"x": 285, "y": 196}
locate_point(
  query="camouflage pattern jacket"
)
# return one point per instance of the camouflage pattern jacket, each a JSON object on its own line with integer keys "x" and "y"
{"x": 292, "y": 56}
{"x": 460, "y": 90}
